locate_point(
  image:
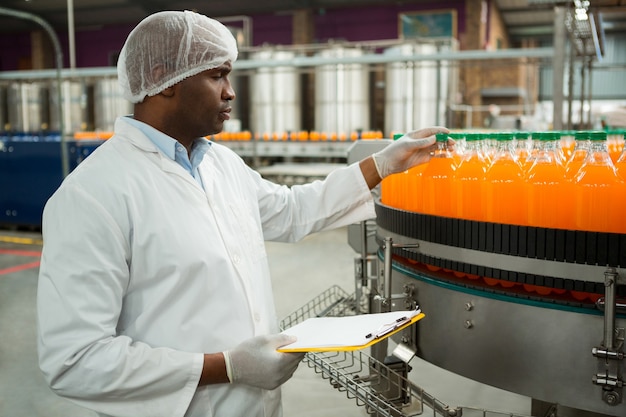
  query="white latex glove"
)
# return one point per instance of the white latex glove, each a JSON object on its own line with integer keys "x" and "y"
{"x": 411, "y": 149}
{"x": 256, "y": 362}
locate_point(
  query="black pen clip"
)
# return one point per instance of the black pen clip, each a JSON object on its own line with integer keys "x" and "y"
{"x": 388, "y": 328}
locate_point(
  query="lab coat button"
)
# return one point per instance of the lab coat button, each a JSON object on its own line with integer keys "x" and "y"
{"x": 236, "y": 259}
{"x": 257, "y": 317}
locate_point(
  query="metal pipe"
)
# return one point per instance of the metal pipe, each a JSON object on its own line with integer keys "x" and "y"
{"x": 589, "y": 90}
{"x": 570, "y": 91}
{"x": 559, "y": 67}
{"x": 473, "y": 55}
{"x": 610, "y": 282}
{"x": 582, "y": 95}
{"x": 59, "y": 65}
{"x": 388, "y": 246}
{"x": 70, "y": 33}
{"x": 304, "y": 61}
{"x": 438, "y": 93}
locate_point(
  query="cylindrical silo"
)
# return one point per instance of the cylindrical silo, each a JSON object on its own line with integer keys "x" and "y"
{"x": 26, "y": 110}
{"x": 275, "y": 97}
{"x": 74, "y": 106}
{"x": 4, "y": 119}
{"x": 341, "y": 93}
{"x": 109, "y": 103}
{"x": 416, "y": 91}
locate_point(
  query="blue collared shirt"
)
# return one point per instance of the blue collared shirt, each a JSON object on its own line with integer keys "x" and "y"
{"x": 174, "y": 150}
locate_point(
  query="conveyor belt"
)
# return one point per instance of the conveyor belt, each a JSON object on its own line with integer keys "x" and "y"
{"x": 568, "y": 246}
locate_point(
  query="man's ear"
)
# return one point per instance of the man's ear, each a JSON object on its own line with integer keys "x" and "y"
{"x": 169, "y": 91}
{"x": 157, "y": 74}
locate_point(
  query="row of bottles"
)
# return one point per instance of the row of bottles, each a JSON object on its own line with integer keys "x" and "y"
{"x": 247, "y": 136}
{"x": 298, "y": 136}
{"x": 526, "y": 179}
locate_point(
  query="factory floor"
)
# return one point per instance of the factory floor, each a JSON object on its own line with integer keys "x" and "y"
{"x": 300, "y": 272}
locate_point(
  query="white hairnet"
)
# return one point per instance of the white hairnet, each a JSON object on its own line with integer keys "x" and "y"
{"x": 167, "y": 47}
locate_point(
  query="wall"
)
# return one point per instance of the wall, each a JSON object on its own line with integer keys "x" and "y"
{"x": 97, "y": 47}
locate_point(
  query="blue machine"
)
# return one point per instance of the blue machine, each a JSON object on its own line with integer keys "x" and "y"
{"x": 30, "y": 171}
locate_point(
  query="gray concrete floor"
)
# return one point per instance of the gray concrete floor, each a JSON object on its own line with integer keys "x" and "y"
{"x": 300, "y": 272}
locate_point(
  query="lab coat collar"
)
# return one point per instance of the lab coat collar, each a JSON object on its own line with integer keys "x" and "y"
{"x": 137, "y": 138}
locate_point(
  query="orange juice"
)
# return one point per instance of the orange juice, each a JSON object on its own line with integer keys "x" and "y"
{"x": 549, "y": 203}
{"x": 504, "y": 185}
{"x": 414, "y": 200}
{"x": 437, "y": 181}
{"x": 388, "y": 191}
{"x": 468, "y": 180}
{"x": 600, "y": 202}
{"x": 390, "y": 187}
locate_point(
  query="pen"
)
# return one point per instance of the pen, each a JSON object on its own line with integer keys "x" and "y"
{"x": 390, "y": 328}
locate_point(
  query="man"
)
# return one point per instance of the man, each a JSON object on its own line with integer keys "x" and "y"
{"x": 154, "y": 293}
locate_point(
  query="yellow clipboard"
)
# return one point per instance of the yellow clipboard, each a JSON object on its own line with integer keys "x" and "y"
{"x": 349, "y": 333}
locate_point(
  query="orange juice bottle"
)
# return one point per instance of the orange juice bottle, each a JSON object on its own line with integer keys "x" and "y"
{"x": 579, "y": 154}
{"x": 488, "y": 145}
{"x": 414, "y": 202}
{"x": 549, "y": 195}
{"x": 504, "y": 185}
{"x": 620, "y": 165}
{"x": 567, "y": 143}
{"x": 523, "y": 144}
{"x": 600, "y": 202}
{"x": 437, "y": 180}
{"x": 387, "y": 191}
{"x": 459, "y": 146}
{"x": 533, "y": 145}
{"x": 390, "y": 186}
{"x": 468, "y": 180}
{"x": 615, "y": 143}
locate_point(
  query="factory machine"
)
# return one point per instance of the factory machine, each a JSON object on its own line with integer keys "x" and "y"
{"x": 533, "y": 311}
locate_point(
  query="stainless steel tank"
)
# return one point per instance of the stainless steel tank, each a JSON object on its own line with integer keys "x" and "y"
{"x": 341, "y": 93}
{"x": 275, "y": 97}
{"x": 4, "y": 120}
{"x": 109, "y": 103}
{"x": 26, "y": 106}
{"x": 74, "y": 106}
{"x": 416, "y": 91}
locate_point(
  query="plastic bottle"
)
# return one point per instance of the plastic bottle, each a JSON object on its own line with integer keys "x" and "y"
{"x": 468, "y": 180}
{"x": 504, "y": 185}
{"x": 620, "y": 162}
{"x": 415, "y": 200}
{"x": 460, "y": 146}
{"x": 600, "y": 191}
{"x": 567, "y": 143}
{"x": 615, "y": 143}
{"x": 579, "y": 154}
{"x": 620, "y": 165}
{"x": 549, "y": 193}
{"x": 390, "y": 193}
{"x": 437, "y": 180}
{"x": 523, "y": 144}
{"x": 488, "y": 146}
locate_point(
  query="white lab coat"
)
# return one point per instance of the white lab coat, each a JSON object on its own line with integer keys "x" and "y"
{"x": 143, "y": 271}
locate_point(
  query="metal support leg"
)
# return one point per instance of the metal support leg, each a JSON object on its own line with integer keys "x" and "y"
{"x": 610, "y": 355}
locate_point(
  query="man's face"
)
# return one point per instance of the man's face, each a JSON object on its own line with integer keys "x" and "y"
{"x": 204, "y": 101}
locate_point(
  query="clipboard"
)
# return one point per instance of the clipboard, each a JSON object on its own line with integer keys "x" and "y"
{"x": 348, "y": 333}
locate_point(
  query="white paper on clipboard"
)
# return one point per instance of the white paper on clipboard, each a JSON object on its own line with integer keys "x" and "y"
{"x": 348, "y": 332}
